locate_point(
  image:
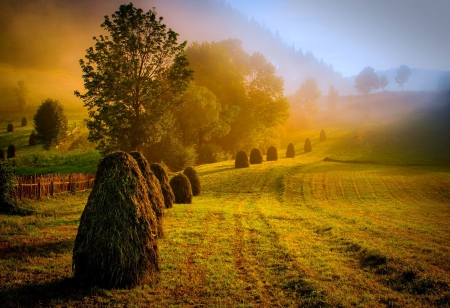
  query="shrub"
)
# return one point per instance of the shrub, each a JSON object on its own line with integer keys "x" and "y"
{"x": 241, "y": 160}
{"x": 33, "y": 139}
{"x": 2, "y": 155}
{"x": 194, "y": 179}
{"x": 181, "y": 188}
{"x": 256, "y": 156}
{"x": 290, "y": 151}
{"x": 163, "y": 179}
{"x": 10, "y": 128}
{"x": 116, "y": 243}
{"x": 272, "y": 153}
{"x": 210, "y": 153}
{"x": 11, "y": 152}
{"x": 308, "y": 146}
{"x": 7, "y": 181}
{"x": 50, "y": 123}
{"x": 24, "y": 121}
{"x": 323, "y": 137}
{"x": 155, "y": 195}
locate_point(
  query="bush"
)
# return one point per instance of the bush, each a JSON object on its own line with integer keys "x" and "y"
{"x": 116, "y": 243}
{"x": 163, "y": 179}
{"x": 7, "y": 181}
{"x": 241, "y": 160}
{"x": 50, "y": 123}
{"x": 323, "y": 137}
{"x": 11, "y": 152}
{"x": 181, "y": 188}
{"x": 2, "y": 155}
{"x": 290, "y": 151}
{"x": 308, "y": 146}
{"x": 33, "y": 139}
{"x": 256, "y": 156}
{"x": 194, "y": 179}
{"x": 24, "y": 121}
{"x": 10, "y": 128}
{"x": 272, "y": 153}
{"x": 155, "y": 195}
{"x": 210, "y": 153}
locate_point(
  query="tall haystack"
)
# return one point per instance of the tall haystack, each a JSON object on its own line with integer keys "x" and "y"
{"x": 10, "y": 128}
{"x": 290, "y": 151}
{"x": 11, "y": 151}
{"x": 256, "y": 156}
{"x": 24, "y": 121}
{"x": 153, "y": 188}
{"x": 194, "y": 179}
{"x": 163, "y": 179}
{"x": 272, "y": 153}
{"x": 116, "y": 243}
{"x": 308, "y": 146}
{"x": 181, "y": 188}
{"x": 241, "y": 160}
{"x": 323, "y": 136}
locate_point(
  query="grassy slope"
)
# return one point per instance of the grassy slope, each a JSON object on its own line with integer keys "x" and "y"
{"x": 296, "y": 232}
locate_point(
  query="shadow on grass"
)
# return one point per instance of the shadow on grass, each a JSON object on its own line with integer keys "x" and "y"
{"x": 7, "y": 251}
{"x": 217, "y": 170}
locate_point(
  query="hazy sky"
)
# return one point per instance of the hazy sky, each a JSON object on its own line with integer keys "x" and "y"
{"x": 352, "y": 34}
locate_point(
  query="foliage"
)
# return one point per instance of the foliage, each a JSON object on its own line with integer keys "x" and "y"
{"x": 272, "y": 154}
{"x": 2, "y": 155}
{"x": 194, "y": 179}
{"x": 366, "y": 81}
{"x": 7, "y": 182}
{"x": 383, "y": 82}
{"x": 290, "y": 151}
{"x": 402, "y": 76}
{"x": 116, "y": 243}
{"x": 50, "y": 123}
{"x": 210, "y": 153}
{"x": 11, "y": 151}
{"x": 332, "y": 99}
{"x": 181, "y": 188}
{"x": 323, "y": 136}
{"x": 241, "y": 160}
{"x": 21, "y": 91}
{"x": 308, "y": 146}
{"x": 24, "y": 122}
{"x": 133, "y": 76}
{"x": 161, "y": 174}
{"x": 256, "y": 156}
{"x": 10, "y": 128}
{"x": 306, "y": 97}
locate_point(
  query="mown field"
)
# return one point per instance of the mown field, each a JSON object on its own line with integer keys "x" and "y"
{"x": 347, "y": 231}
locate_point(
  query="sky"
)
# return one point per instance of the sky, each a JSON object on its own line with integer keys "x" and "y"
{"x": 352, "y": 34}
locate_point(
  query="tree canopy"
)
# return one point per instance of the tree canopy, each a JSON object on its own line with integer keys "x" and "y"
{"x": 307, "y": 95}
{"x": 383, "y": 82}
{"x": 366, "y": 81}
{"x": 133, "y": 77}
{"x": 50, "y": 123}
{"x": 403, "y": 73}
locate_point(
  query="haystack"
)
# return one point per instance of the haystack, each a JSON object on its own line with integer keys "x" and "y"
{"x": 11, "y": 151}
{"x": 241, "y": 160}
{"x": 153, "y": 188}
{"x": 116, "y": 243}
{"x": 290, "y": 151}
{"x": 323, "y": 136}
{"x": 10, "y": 128}
{"x": 181, "y": 188}
{"x": 308, "y": 146}
{"x": 272, "y": 153}
{"x": 194, "y": 179}
{"x": 256, "y": 156}
{"x": 24, "y": 121}
{"x": 163, "y": 179}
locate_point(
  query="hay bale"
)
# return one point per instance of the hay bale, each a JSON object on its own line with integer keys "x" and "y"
{"x": 24, "y": 121}
{"x": 194, "y": 179}
{"x": 323, "y": 136}
{"x": 116, "y": 243}
{"x": 308, "y": 146}
{"x": 256, "y": 156}
{"x": 290, "y": 151}
{"x": 241, "y": 160}
{"x": 10, "y": 128}
{"x": 153, "y": 188}
{"x": 272, "y": 154}
{"x": 32, "y": 140}
{"x": 181, "y": 188}
{"x": 163, "y": 179}
{"x": 11, "y": 151}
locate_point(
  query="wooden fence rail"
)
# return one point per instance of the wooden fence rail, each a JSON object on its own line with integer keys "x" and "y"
{"x": 44, "y": 186}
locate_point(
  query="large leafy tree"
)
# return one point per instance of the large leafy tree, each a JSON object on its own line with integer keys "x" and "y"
{"x": 133, "y": 76}
{"x": 366, "y": 81}
{"x": 403, "y": 73}
{"x": 306, "y": 97}
{"x": 50, "y": 123}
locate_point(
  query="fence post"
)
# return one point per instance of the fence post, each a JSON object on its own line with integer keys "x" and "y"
{"x": 20, "y": 191}
{"x": 51, "y": 188}
{"x": 39, "y": 191}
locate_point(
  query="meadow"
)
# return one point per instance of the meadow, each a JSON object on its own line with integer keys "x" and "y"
{"x": 361, "y": 221}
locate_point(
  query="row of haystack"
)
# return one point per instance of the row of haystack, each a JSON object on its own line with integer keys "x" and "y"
{"x": 116, "y": 244}
{"x": 242, "y": 160}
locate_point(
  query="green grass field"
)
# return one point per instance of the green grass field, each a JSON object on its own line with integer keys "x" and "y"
{"x": 364, "y": 228}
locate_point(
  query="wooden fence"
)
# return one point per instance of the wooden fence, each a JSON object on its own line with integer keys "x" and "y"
{"x": 44, "y": 186}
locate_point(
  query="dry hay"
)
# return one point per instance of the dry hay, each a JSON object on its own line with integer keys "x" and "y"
{"x": 163, "y": 179}
{"x": 11, "y": 151}
{"x": 116, "y": 243}
{"x": 256, "y": 156}
{"x": 10, "y": 128}
{"x": 241, "y": 160}
{"x": 290, "y": 151}
{"x": 323, "y": 136}
{"x": 24, "y": 121}
{"x": 194, "y": 179}
{"x": 272, "y": 153}
{"x": 308, "y": 146}
{"x": 181, "y": 188}
{"x": 153, "y": 188}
